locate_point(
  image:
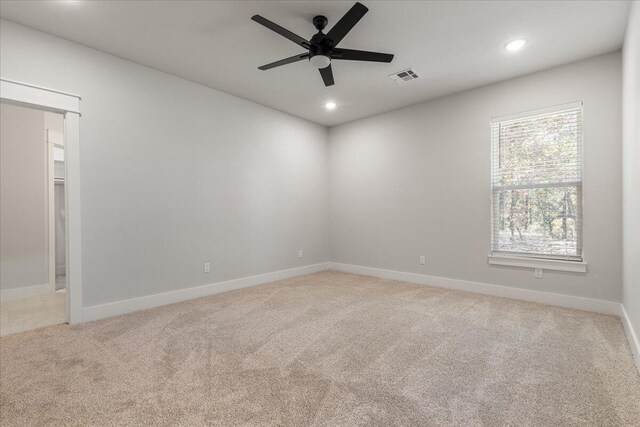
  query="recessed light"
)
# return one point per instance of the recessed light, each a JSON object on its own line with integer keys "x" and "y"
{"x": 329, "y": 105}
{"x": 515, "y": 45}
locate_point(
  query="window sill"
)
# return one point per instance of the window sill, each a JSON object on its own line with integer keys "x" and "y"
{"x": 545, "y": 264}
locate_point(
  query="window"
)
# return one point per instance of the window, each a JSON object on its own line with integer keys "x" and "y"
{"x": 536, "y": 184}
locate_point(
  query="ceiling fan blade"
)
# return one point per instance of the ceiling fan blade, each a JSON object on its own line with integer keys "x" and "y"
{"x": 361, "y": 55}
{"x": 327, "y": 75}
{"x": 282, "y": 31}
{"x": 285, "y": 61}
{"x": 345, "y": 24}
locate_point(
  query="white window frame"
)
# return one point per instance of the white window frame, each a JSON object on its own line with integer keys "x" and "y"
{"x": 534, "y": 261}
{"x": 42, "y": 98}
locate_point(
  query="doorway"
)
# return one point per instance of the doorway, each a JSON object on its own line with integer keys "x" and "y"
{"x": 59, "y": 139}
{"x": 32, "y": 231}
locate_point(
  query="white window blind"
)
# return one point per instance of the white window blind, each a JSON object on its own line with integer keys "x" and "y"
{"x": 536, "y": 184}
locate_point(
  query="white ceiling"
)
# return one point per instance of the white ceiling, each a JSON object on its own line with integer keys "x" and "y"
{"x": 453, "y": 45}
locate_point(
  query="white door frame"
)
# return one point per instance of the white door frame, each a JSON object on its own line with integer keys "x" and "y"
{"x": 69, "y": 105}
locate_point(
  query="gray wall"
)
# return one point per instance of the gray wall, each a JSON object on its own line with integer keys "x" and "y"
{"x": 23, "y": 198}
{"x": 175, "y": 174}
{"x": 415, "y": 181}
{"x": 631, "y": 167}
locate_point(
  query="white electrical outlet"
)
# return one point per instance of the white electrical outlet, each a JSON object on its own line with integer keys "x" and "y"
{"x": 300, "y": 253}
{"x": 423, "y": 260}
{"x": 207, "y": 267}
{"x": 538, "y": 273}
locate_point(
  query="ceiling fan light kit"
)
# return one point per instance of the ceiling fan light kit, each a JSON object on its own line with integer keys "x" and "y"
{"x": 322, "y": 48}
{"x": 320, "y": 60}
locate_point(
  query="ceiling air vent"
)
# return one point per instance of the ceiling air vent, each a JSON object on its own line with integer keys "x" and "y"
{"x": 404, "y": 76}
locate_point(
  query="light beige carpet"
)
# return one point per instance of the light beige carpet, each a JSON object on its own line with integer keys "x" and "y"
{"x": 327, "y": 349}
{"x": 25, "y": 314}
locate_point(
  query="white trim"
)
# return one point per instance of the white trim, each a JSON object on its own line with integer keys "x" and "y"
{"x": 141, "y": 303}
{"x": 569, "y": 301}
{"x": 41, "y": 88}
{"x": 634, "y": 342}
{"x": 69, "y": 105}
{"x": 545, "y": 264}
{"x": 39, "y": 97}
{"x": 24, "y": 292}
{"x": 72, "y": 209}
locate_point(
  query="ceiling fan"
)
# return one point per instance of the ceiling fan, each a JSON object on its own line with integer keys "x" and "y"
{"x": 322, "y": 48}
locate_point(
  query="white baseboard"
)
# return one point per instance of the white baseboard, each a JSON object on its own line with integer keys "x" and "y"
{"x": 634, "y": 343}
{"x": 580, "y": 303}
{"x": 24, "y": 292}
{"x": 134, "y": 304}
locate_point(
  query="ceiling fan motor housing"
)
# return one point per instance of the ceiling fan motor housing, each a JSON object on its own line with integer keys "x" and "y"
{"x": 319, "y": 55}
